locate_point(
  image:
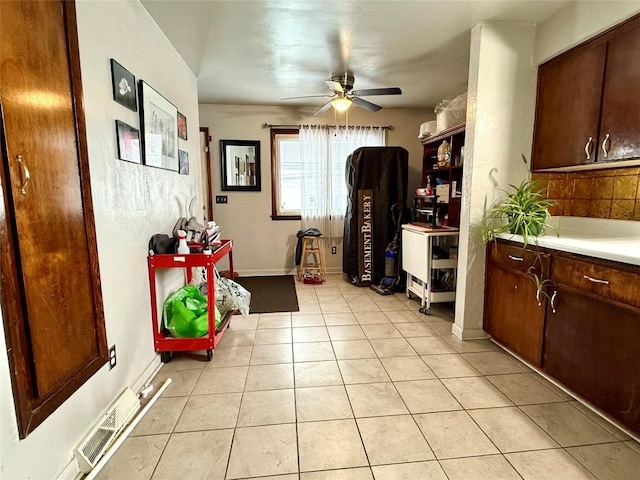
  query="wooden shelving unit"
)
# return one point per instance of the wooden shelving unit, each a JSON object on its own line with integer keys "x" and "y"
{"x": 451, "y": 174}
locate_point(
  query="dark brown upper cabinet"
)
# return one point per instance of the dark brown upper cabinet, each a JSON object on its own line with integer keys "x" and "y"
{"x": 620, "y": 117}
{"x": 589, "y": 102}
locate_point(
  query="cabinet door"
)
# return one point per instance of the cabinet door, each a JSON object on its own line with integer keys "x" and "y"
{"x": 592, "y": 346}
{"x": 568, "y": 108}
{"x": 57, "y": 337}
{"x": 511, "y": 312}
{"x": 621, "y": 98}
{"x": 414, "y": 254}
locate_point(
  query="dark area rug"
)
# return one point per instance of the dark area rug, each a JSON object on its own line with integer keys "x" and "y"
{"x": 271, "y": 294}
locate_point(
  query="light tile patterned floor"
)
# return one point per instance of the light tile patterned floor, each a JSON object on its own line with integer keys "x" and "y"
{"x": 357, "y": 386}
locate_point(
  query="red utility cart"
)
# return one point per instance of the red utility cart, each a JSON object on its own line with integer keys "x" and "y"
{"x": 165, "y": 344}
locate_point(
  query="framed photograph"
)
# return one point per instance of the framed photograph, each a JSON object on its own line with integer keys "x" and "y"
{"x": 182, "y": 126}
{"x": 158, "y": 122}
{"x": 128, "y": 142}
{"x": 124, "y": 86}
{"x": 183, "y": 158}
{"x": 240, "y": 163}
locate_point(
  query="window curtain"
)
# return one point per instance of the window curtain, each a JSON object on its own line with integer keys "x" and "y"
{"x": 323, "y": 154}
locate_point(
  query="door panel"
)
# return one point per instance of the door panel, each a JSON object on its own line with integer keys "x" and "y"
{"x": 568, "y": 107}
{"x": 57, "y": 338}
{"x": 36, "y": 98}
{"x": 592, "y": 347}
{"x": 621, "y": 98}
{"x": 512, "y": 315}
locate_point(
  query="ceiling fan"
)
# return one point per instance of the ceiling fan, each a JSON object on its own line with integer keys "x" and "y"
{"x": 343, "y": 94}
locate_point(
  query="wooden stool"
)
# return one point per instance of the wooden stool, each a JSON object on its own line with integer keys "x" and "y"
{"x": 311, "y": 246}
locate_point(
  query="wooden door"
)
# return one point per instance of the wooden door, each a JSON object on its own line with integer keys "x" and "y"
{"x": 207, "y": 190}
{"x": 592, "y": 347}
{"x": 511, "y": 312}
{"x": 57, "y": 335}
{"x": 621, "y": 98}
{"x": 568, "y": 108}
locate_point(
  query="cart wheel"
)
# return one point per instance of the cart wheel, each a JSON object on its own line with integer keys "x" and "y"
{"x": 409, "y": 295}
{"x": 424, "y": 310}
{"x": 209, "y": 354}
{"x": 166, "y": 357}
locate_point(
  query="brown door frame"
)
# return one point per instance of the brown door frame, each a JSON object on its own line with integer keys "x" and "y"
{"x": 207, "y": 140}
{"x": 32, "y": 409}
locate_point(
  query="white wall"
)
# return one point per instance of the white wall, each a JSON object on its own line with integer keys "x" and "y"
{"x": 263, "y": 246}
{"x": 131, "y": 203}
{"x": 501, "y": 105}
{"x": 578, "y": 21}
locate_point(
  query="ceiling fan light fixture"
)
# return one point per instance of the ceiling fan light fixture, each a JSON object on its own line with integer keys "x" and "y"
{"x": 341, "y": 104}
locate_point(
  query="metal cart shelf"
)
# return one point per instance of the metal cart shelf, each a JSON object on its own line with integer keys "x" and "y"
{"x": 418, "y": 241}
{"x": 165, "y": 344}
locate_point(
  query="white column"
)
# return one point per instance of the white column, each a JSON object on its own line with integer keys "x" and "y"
{"x": 500, "y": 114}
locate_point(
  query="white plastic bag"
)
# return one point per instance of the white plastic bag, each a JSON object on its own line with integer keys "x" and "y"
{"x": 229, "y": 295}
{"x": 451, "y": 113}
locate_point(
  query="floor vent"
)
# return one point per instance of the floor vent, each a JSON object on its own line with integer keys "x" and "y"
{"x": 106, "y": 430}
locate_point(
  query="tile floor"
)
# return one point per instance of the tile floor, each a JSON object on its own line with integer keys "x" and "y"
{"x": 359, "y": 386}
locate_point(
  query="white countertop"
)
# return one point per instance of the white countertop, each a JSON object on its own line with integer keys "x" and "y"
{"x": 616, "y": 240}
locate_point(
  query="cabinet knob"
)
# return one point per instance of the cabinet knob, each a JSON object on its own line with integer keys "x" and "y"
{"x": 587, "y": 148}
{"x": 604, "y": 145}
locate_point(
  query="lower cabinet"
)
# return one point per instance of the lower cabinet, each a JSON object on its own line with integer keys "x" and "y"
{"x": 512, "y": 315}
{"x": 588, "y": 338}
{"x": 593, "y": 347}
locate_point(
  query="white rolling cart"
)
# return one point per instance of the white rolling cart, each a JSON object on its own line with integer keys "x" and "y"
{"x": 419, "y": 241}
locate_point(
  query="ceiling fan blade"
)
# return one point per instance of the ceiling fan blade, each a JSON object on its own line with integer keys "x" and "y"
{"x": 308, "y": 96}
{"x": 323, "y": 109}
{"x": 378, "y": 91}
{"x": 359, "y": 102}
{"x": 335, "y": 86}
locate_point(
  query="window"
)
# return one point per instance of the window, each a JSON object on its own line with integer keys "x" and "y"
{"x": 286, "y": 175}
{"x": 308, "y": 173}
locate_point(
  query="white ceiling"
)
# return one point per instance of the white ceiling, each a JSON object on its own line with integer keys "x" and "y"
{"x": 258, "y": 52}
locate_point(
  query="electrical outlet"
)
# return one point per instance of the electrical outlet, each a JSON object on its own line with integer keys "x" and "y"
{"x": 221, "y": 199}
{"x": 112, "y": 357}
{"x": 334, "y": 250}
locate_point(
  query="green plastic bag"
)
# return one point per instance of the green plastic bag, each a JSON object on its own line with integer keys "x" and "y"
{"x": 185, "y": 313}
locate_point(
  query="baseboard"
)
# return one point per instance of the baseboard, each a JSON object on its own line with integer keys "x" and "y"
{"x": 71, "y": 471}
{"x": 147, "y": 374}
{"x": 264, "y": 273}
{"x": 267, "y": 272}
{"x": 468, "y": 333}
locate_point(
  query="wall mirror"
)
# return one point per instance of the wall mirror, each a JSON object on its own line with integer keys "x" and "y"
{"x": 240, "y": 165}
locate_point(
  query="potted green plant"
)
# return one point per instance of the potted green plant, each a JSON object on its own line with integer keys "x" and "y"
{"x": 524, "y": 211}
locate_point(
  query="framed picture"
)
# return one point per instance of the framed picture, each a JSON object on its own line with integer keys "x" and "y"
{"x": 128, "y": 142}
{"x": 240, "y": 163}
{"x": 124, "y": 86}
{"x": 183, "y": 158}
{"x": 159, "y": 129}
{"x": 182, "y": 126}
